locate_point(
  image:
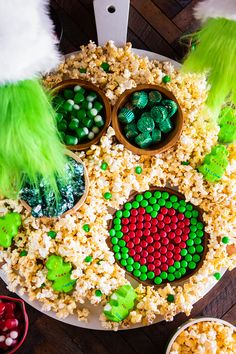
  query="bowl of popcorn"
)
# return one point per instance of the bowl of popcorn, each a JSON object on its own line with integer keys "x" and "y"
{"x": 73, "y": 191}
{"x": 147, "y": 119}
{"x": 83, "y": 113}
{"x": 13, "y": 324}
{"x": 204, "y": 335}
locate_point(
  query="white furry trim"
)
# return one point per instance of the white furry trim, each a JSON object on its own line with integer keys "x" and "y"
{"x": 27, "y": 44}
{"x": 216, "y": 8}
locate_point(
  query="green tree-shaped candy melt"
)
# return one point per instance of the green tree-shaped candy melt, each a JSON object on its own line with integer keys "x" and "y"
{"x": 215, "y": 164}
{"x": 60, "y": 273}
{"x": 9, "y": 225}
{"x": 121, "y": 302}
{"x": 227, "y": 123}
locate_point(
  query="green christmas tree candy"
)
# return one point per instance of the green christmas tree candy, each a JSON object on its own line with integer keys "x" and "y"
{"x": 9, "y": 225}
{"x": 121, "y": 302}
{"x": 60, "y": 273}
{"x": 215, "y": 164}
{"x": 227, "y": 123}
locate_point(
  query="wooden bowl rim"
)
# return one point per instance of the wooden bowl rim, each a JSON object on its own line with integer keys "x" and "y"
{"x": 118, "y": 130}
{"x": 205, "y": 241}
{"x": 107, "y": 108}
{"x": 80, "y": 201}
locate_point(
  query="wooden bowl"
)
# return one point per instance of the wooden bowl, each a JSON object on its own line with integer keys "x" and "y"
{"x": 25, "y": 325}
{"x": 80, "y": 201}
{"x": 107, "y": 108}
{"x": 189, "y": 272}
{"x": 170, "y": 138}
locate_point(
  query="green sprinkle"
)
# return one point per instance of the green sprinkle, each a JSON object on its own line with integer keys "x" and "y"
{"x": 98, "y": 293}
{"x": 192, "y": 235}
{"x": 168, "y": 204}
{"x": 200, "y": 233}
{"x": 128, "y": 206}
{"x": 126, "y": 213}
{"x": 143, "y": 277}
{"x": 192, "y": 265}
{"x": 149, "y": 209}
{"x": 177, "y": 265}
{"x": 136, "y": 273}
{"x": 117, "y": 227}
{"x": 116, "y": 248}
{"x": 171, "y": 269}
{"x": 112, "y": 232}
{"x": 114, "y": 240}
{"x": 165, "y": 195}
{"x": 163, "y": 275}
{"x": 104, "y": 166}
{"x": 88, "y": 259}
{"x": 178, "y": 275}
{"x": 195, "y": 213}
{"x": 188, "y": 214}
{"x": 151, "y": 275}
{"x": 176, "y": 205}
{"x": 156, "y": 207}
{"x": 117, "y": 221}
{"x": 152, "y": 200}
{"x": 52, "y": 234}
{"x": 200, "y": 225}
{"x": 123, "y": 262}
{"x": 188, "y": 257}
{"x": 105, "y": 66}
{"x": 225, "y": 240}
{"x": 183, "y": 271}
{"x": 193, "y": 228}
{"x": 122, "y": 243}
{"x": 161, "y": 202}
{"x": 191, "y": 250}
{"x": 119, "y": 214}
{"x": 23, "y": 253}
{"x": 193, "y": 221}
{"x": 124, "y": 250}
{"x": 136, "y": 265}
{"x": 107, "y": 195}
{"x": 189, "y": 207}
{"x": 138, "y": 170}
{"x": 158, "y": 280}
{"x": 118, "y": 256}
{"x": 182, "y": 202}
{"x": 130, "y": 260}
{"x": 144, "y": 203}
{"x": 147, "y": 195}
{"x": 199, "y": 248}
{"x": 197, "y": 241}
{"x": 157, "y": 194}
{"x": 196, "y": 258}
{"x": 143, "y": 269}
{"x": 217, "y": 275}
{"x": 129, "y": 268}
{"x": 124, "y": 255}
{"x": 139, "y": 197}
{"x": 154, "y": 214}
{"x": 185, "y": 163}
{"x": 86, "y": 227}
{"x": 184, "y": 263}
{"x": 190, "y": 242}
{"x": 171, "y": 277}
{"x": 82, "y": 70}
{"x": 170, "y": 298}
{"x": 183, "y": 252}
{"x": 166, "y": 79}
{"x": 119, "y": 234}
{"x": 173, "y": 198}
{"x": 135, "y": 204}
{"x": 182, "y": 209}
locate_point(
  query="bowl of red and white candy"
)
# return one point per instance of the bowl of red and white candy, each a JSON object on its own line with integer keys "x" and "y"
{"x": 13, "y": 324}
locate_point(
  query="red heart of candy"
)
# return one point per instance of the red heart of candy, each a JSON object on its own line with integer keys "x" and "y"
{"x": 155, "y": 242}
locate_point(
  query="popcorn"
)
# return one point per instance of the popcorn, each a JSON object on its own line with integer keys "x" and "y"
{"x": 218, "y": 201}
{"x": 205, "y": 337}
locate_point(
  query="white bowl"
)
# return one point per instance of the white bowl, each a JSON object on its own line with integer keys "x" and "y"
{"x": 193, "y": 321}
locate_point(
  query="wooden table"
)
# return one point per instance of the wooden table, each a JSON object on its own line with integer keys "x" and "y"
{"x": 156, "y": 26}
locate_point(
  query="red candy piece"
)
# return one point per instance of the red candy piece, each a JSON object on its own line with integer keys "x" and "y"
{"x": 126, "y": 238}
{"x": 178, "y": 232}
{"x": 151, "y": 267}
{"x": 177, "y": 250}
{"x": 163, "y": 259}
{"x": 181, "y": 216}
{"x": 182, "y": 245}
{"x": 143, "y": 261}
{"x": 147, "y": 225}
{"x": 138, "y": 249}
{"x": 153, "y": 229}
{"x": 2, "y": 308}
{"x": 138, "y": 233}
{"x": 164, "y": 210}
{"x": 184, "y": 237}
{"x": 187, "y": 222}
{"x": 167, "y": 228}
{"x": 177, "y": 239}
{"x": 169, "y": 254}
{"x": 174, "y": 219}
{"x": 157, "y": 245}
{"x": 156, "y": 237}
{"x": 132, "y": 220}
{"x": 170, "y": 262}
{"x": 132, "y": 252}
{"x": 11, "y": 323}
{"x": 141, "y": 211}
{"x": 154, "y": 222}
{"x": 150, "y": 249}
{"x": 132, "y": 227}
{"x": 157, "y": 272}
{"x": 144, "y": 253}
{"x": 134, "y": 212}
{"x": 125, "y": 228}
{"x": 161, "y": 225}
{"x": 163, "y": 233}
{"x": 173, "y": 226}
{"x": 143, "y": 243}
{"x": 171, "y": 211}
{"x": 186, "y": 230}
{"x": 163, "y": 250}
{"x": 125, "y": 221}
{"x": 146, "y": 232}
{"x": 136, "y": 240}
{"x": 149, "y": 239}
{"x": 150, "y": 259}
{"x": 177, "y": 257}
{"x": 147, "y": 217}
{"x": 167, "y": 220}
{"x": 164, "y": 267}
{"x": 139, "y": 225}
{"x": 165, "y": 241}
{"x": 140, "y": 218}
{"x": 171, "y": 235}
{"x": 170, "y": 247}
{"x": 137, "y": 257}
{"x": 157, "y": 262}
{"x": 131, "y": 234}
{"x": 157, "y": 255}
{"x": 130, "y": 244}
{"x": 160, "y": 217}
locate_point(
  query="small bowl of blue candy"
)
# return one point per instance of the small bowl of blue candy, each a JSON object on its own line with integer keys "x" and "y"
{"x": 147, "y": 119}
{"x": 73, "y": 190}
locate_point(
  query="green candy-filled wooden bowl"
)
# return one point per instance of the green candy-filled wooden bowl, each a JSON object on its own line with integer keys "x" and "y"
{"x": 85, "y": 143}
{"x": 169, "y": 140}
